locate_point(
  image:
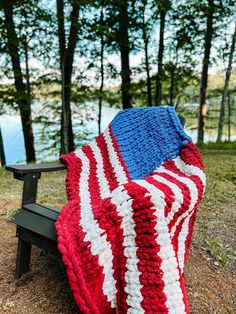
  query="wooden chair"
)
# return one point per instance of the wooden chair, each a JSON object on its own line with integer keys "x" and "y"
{"x": 35, "y": 223}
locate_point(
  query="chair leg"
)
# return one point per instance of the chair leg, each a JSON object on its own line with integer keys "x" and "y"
{"x": 23, "y": 257}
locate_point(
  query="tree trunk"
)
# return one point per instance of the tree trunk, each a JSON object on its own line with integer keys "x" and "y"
{"x": 149, "y": 82}
{"x": 172, "y": 84}
{"x": 26, "y": 53}
{"x": 147, "y": 67}
{"x": 61, "y": 30}
{"x": 177, "y": 101}
{"x": 124, "y": 51}
{"x": 159, "y": 76}
{"x": 225, "y": 89}
{"x": 62, "y": 48}
{"x": 2, "y": 152}
{"x": 22, "y": 99}
{"x": 101, "y": 70}
{"x": 28, "y": 87}
{"x": 66, "y": 64}
{"x": 204, "y": 77}
{"x": 229, "y": 118}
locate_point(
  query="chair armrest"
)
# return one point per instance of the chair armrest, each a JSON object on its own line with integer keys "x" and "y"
{"x": 30, "y": 174}
{"x": 35, "y": 168}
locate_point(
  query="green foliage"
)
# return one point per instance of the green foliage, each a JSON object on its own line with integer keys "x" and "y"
{"x": 219, "y": 252}
{"x": 216, "y": 215}
{"x": 37, "y": 31}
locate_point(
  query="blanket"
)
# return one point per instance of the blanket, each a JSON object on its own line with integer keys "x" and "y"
{"x": 125, "y": 232}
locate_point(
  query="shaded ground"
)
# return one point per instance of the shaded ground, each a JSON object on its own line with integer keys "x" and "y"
{"x": 210, "y": 273}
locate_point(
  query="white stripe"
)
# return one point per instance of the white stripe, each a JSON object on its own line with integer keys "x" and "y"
{"x": 102, "y": 180}
{"x": 123, "y": 203}
{"x": 185, "y": 169}
{"x": 193, "y": 193}
{"x": 182, "y": 241}
{"x": 94, "y": 234}
{"x": 114, "y": 159}
{"x": 178, "y": 196}
{"x": 174, "y": 296}
{"x": 190, "y": 170}
{"x": 194, "y": 197}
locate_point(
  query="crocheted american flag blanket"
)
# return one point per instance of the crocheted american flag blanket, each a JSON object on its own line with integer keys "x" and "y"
{"x": 125, "y": 232}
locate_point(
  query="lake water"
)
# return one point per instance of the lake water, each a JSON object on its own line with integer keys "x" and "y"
{"x": 14, "y": 144}
{"x": 13, "y": 137}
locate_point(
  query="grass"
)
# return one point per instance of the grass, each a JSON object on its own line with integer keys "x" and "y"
{"x": 219, "y": 252}
{"x": 216, "y": 223}
{"x": 51, "y": 190}
{"x": 218, "y": 146}
{"x": 220, "y": 167}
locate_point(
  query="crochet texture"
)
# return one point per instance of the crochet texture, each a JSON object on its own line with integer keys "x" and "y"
{"x": 125, "y": 232}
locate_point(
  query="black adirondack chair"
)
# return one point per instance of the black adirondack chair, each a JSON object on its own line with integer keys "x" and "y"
{"x": 35, "y": 223}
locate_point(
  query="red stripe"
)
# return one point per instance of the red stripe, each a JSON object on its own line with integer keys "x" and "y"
{"x": 185, "y": 193}
{"x": 190, "y": 233}
{"x": 185, "y": 296}
{"x": 197, "y": 181}
{"x": 111, "y": 222}
{"x": 94, "y": 188}
{"x": 107, "y": 166}
{"x": 96, "y": 205}
{"x": 112, "y": 217}
{"x": 70, "y": 240}
{"x": 149, "y": 262}
{"x": 200, "y": 187}
{"x": 81, "y": 265}
{"x": 169, "y": 195}
{"x": 73, "y": 164}
{"x": 190, "y": 155}
{"x": 185, "y": 205}
{"x": 185, "y": 198}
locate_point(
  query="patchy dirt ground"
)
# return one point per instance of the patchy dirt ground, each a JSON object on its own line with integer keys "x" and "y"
{"x": 43, "y": 290}
{"x": 210, "y": 274}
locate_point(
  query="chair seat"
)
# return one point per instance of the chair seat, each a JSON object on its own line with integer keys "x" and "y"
{"x": 37, "y": 218}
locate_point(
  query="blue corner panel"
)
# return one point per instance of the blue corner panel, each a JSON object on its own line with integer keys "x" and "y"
{"x": 147, "y": 137}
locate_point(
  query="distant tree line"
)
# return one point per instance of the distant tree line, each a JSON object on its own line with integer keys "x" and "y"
{"x": 66, "y": 36}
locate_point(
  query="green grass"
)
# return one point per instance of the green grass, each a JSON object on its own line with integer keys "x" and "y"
{"x": 51, "y": 190}
{"x": 216, "y": 222}
{"x": 220, "y": 167}
{"x": 218, "y": 146}
{"x": 219, "y": 252}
